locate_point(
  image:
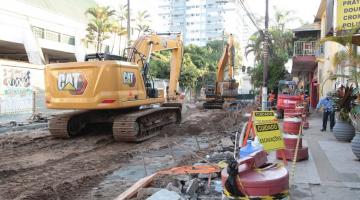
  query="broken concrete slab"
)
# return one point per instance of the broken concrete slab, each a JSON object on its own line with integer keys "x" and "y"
{"x": 206, "y": 176}
{"x": 173, "y": 187}
{"x": 183, "y": 177}
{"x": 164, "y": 194}
{"x": 227, "y": 142}
{"x": 146, "y": 192}
{"x": 192, "y": 186}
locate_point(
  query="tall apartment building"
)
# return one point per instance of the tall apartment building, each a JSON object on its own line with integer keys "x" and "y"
{"x": 200, "y": 21}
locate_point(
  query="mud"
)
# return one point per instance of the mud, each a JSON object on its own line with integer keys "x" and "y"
{"x": 33, "y": 165}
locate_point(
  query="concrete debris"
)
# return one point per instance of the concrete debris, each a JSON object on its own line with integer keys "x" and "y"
{"x": 206, "y": 176}
{"x": 183, "y": 178}
{"x": 217, "y": 157}
{"x": 174, "y": 187}
{"x": 227, "y": 143}
{"x": 164, "y": 194}
{"x": 218, "y": 148}
{"x": 144, "y": 193}
{"x": 191, "y": 197}
{"x": 193, "y": 186}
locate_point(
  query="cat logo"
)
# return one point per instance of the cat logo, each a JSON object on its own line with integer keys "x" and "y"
{"x": 74, "y": 82}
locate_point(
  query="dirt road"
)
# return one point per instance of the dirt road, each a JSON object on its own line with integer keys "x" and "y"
{"x": 33, "y": 165}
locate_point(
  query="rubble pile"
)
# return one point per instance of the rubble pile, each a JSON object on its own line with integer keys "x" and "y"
{"x": 194, "y": 186}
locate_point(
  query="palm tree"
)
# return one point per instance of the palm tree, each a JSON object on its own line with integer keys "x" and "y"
{"x": 142, "y": 21}
{"x": 116, "y": 30}
{"x": 122, "y": 15}
{"x": 142, "y": 28}
{"x": 255, "y": 46}
{"x": 282, "y": 17}
{"x": 99, "y": 24}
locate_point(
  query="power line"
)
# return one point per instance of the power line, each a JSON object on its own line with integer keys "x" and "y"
{"x": 250, "y": 15}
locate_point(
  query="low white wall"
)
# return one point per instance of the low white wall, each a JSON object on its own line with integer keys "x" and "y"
{"x": 18, "y": 81}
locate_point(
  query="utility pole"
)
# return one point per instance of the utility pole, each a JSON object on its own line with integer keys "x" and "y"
{"x": 266, "y": 58}
{"x": 128, "y": 22}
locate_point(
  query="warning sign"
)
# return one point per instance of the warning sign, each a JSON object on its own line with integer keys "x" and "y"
{"x": 264, "y": 116}
{"x": 348, "y": 14}
{"x": 270, "y": 136}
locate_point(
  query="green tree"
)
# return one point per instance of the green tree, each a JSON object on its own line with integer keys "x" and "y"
{"x": 142, "y": 22}
{"x": 189, "y": 73}
{"x": 99, "y": 25}
{"x": 199, "y": 65}
{"x": 117, "y": 31}
{"x": 280, "y": 51}
{"x": 122, "y": 16}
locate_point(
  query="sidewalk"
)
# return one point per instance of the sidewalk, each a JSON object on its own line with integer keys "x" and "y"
{"x": 332, "y": 171}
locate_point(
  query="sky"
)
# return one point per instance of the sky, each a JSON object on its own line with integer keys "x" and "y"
{"x": 302, "y": 9}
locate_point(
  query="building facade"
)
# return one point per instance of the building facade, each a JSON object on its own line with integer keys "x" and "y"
{"x": 34, "y": 33}
{"x": 41, "y": 32}
{"x": 313, "y": 61}
{"x": 201, "y": 21}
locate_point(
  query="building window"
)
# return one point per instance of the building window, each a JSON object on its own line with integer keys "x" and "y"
{"x": 51, "y": 35}
{"x": 38, "y": 32}
{"x": 67, "y": 39}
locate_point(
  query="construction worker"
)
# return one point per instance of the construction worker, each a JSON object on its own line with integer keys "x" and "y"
{"x": 271, "y": 99}
{"x": 328, "y": 106}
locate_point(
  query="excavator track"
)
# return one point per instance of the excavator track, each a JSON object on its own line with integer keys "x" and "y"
{"x": 144, "y": 124}
{"x": 214, "y": 104}
{"x": 60, "y": 125}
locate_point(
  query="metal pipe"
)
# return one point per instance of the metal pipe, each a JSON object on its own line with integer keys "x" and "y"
{"x": 241, "y": 139}
{"x": 266, "y": 58}
{"x": 128, "y": 22}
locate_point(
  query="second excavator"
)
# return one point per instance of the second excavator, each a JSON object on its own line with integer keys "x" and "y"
{"x": 224, "y": 92}
{"x": 115, "y": 90}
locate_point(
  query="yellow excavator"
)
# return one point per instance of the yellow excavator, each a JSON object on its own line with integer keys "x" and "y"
{"x": 112, "y": 89}
{"x": 224, "y": 92}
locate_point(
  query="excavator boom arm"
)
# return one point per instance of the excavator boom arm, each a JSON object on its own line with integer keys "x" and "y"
{"x": 227, "y": 59}
{"x": 148, "y": 44}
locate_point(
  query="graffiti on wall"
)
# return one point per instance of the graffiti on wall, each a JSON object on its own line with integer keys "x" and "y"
{"x": 15, "y": 89}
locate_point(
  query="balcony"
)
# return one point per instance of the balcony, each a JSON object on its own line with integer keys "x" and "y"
{"x": 303, "y": 48}
{"x": 304, "y": 59}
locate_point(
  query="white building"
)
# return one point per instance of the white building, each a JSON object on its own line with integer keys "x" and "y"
{"x": 202, "y": 20}
{"x": 43, "y": 31}
{"x": 34, "y": 33}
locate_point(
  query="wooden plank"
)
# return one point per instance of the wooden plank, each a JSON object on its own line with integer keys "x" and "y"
{"x": 132, "y": 191}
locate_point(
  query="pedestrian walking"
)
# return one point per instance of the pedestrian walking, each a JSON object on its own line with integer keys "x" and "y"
{"x": 328, "y": 111}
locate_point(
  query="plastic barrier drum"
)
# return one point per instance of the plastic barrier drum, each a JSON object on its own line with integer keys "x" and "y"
{"x": 292, "y": 121}
{"x": 290, "y": 146}
{"x": 255, "y": 178}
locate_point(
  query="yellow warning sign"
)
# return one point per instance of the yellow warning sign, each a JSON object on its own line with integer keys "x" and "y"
{"x": 264, "y": 116}
{"x": 269, "y": 136}
{"x": 348, "y": 14}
